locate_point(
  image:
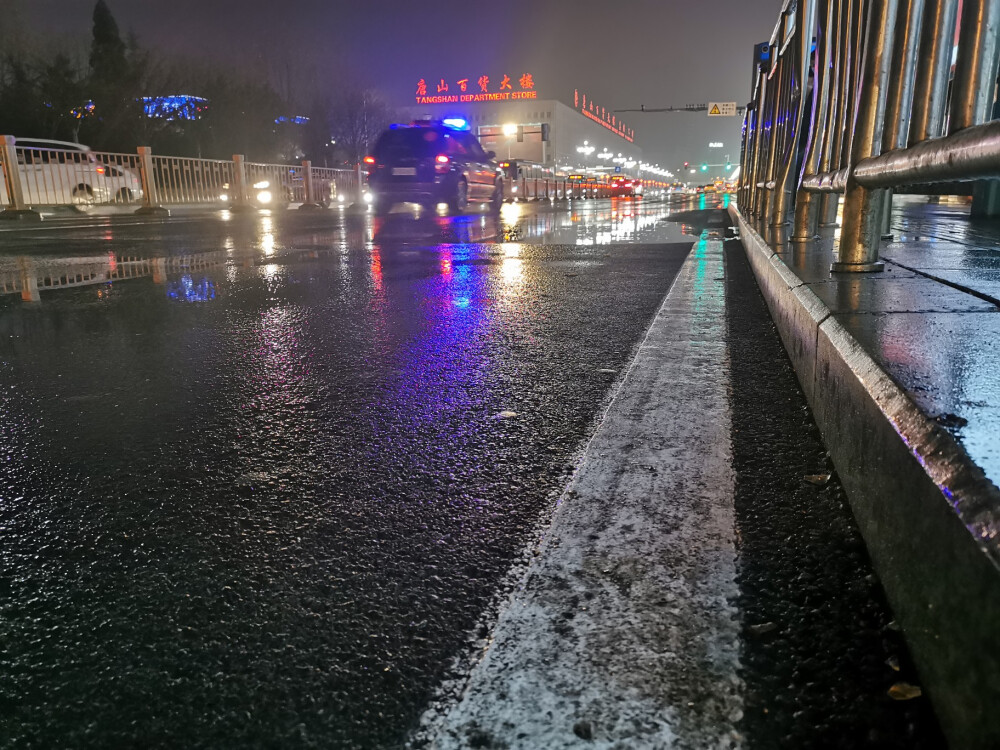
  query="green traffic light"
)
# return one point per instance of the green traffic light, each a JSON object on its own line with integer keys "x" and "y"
{"x": 704, "y": 167}
{"x": 728, "y": 166}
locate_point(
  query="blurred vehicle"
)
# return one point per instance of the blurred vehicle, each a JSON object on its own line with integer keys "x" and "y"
{"x": 625, "y": 186}
{"x": 263, "y": 194}
{"x": 431, "y": 162}
{"x": 59, "y": 172}
{"x": 126, "y": 185}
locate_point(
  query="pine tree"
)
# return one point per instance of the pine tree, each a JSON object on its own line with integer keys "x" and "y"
{"x": 107, "y": 50}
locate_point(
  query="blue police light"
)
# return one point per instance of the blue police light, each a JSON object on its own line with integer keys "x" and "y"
{"x": 455, "y": 123}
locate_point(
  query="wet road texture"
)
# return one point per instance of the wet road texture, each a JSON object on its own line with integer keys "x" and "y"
{"x": 265, "y": 487}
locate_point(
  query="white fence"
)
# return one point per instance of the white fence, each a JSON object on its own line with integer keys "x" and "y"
{"x": 35, "y": 175}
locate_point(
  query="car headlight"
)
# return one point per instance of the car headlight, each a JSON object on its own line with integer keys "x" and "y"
{"x": 264, "y": 196}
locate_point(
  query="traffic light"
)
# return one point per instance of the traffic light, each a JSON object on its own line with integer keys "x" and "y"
{"x": 545, "y": 131}
{"x": 520, "y": 133}
{"x": 704, "y": 167}
{"x": 686, "y": 165}
{"x": 728, "y": 166}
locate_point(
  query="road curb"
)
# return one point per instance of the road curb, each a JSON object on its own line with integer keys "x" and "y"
{"x": 928, "y": 514}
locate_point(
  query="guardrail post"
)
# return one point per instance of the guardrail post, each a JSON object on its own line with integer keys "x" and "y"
{"x": 361, "y": 185}
{"x": 937, "y": 33}
{"x": 829, "y": 202}
{"x": 150, "y": 194}
{"x": 309, "y": 199}
{"x": 976, "y": 64}
{"x": 807, "y": 204}
{"x": 862, "y": 227}
{"x": 899, "y": 97}
{"x": 798, "y": 78}
{"x": 241, "y": 197}
{"x": 848, "y": 54}
{"x": 17, "y": 208}
{"x": 805, "y": 24}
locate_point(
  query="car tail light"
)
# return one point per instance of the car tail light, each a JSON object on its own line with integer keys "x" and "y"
{"x": 441, "y": 163}
{"x": 369, "y": 162}
{"x": 100, "y": 170}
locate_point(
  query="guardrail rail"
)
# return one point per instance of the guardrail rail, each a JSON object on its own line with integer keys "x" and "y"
{"x": 860, "y": 97}
{"x": 35, "y": 176}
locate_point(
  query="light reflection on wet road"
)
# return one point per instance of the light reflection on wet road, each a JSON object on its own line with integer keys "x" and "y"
{"x": 260, "y": 478}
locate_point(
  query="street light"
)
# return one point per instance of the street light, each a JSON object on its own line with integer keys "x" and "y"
{"x": 509, "y": 130}
{"x": 585, "y": 150}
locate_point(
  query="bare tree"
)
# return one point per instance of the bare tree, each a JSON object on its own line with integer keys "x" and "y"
{"x": 357, "y": 117}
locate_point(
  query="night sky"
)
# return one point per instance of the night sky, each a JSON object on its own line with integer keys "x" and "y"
{"x": 624, "y": 53}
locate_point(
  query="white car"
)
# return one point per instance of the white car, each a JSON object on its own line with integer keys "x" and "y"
{"x": 59, "y": 172}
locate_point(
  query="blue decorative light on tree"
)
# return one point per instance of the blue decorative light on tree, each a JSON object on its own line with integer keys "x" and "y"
{"x": 174, "y": 107}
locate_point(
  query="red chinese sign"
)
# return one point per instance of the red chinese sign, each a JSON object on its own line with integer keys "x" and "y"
{"x": 490, "y": 90}
{"x": 602, "y": 116}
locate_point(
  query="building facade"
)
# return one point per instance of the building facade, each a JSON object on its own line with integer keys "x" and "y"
{"x": 517, "y": 124}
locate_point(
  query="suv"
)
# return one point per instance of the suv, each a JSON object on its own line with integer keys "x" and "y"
{"x": 60, "y": 172}
{"x": 431, "y": 162}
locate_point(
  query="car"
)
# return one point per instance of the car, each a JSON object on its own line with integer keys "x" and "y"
{"x": 61, "y": 172}
{"x": 625, "y": 186}
{"x": 262, "y": 194}
{"x": 431, "y": 162}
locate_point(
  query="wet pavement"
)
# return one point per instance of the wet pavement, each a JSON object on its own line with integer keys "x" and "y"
{"x": 264, "y": 477}
{"x": 931, "y": 319}
{"x": 269, "y": 480}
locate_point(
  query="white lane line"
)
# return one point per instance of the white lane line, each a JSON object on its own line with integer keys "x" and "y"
{"x": 622, "y": 633}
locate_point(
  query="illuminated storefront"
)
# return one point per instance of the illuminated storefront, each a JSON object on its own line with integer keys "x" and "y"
{"x": 509, "y": 116}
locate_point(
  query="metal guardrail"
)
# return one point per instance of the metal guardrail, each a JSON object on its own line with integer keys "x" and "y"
{"x": 858, "y": 97}
{"x": 28, "y": 275}
{"x": 35, "y": 176}
{"x": 79, "y": 176}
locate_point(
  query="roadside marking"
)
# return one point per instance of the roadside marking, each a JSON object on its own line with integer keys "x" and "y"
{"x": 622, "y": 632}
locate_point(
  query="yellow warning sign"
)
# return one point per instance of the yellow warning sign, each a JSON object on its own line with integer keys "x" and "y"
{"x": 722, "y": 109}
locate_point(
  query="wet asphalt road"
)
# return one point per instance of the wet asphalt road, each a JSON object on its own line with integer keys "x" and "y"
{"x": 267, "y": 487}
{"x": 265, "y": 492}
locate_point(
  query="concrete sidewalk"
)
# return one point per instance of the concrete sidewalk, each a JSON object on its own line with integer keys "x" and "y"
{"x": 901, "y": 370}
{"x": 625, "y": 622}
